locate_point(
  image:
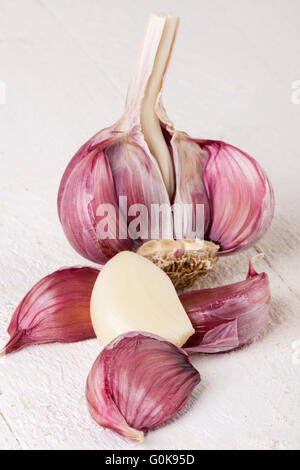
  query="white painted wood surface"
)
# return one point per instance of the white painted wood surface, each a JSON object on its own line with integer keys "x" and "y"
{"x": 67, "y": 64}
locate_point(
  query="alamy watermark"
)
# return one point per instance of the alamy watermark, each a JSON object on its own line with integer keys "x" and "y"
{"x": 296, "y": 352}
{"x": 158, "y": 221}
{"x": 295, "y": 98}
{"x": 2, "y": 92}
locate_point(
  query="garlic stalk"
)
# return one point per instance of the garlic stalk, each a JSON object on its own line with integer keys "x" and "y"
{"x": 132, "y": 294}
{"x": 56, "y": 309}
{"x": 138, "y": 382}
{"x": 159, "y": 40}
{"x": 111, "y": 189}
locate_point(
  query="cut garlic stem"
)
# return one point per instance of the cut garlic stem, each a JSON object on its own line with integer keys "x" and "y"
{"x": 132, "y": 294}
{"x": 146, "y": 86}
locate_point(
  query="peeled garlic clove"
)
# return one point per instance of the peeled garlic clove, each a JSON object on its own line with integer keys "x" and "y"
{"x": 182, "y": 260}
{"x": 132, "y": 294}
{"x": 138, "y": 382}
{"x": 228, "y": 317}
{"x": 56, "y": 309}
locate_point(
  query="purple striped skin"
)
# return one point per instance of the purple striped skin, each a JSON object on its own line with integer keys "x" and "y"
{"x": 189, "y": 164}
{"x": 87, "y": 183}
{"x": 237, "y": 195}
{"x": 138, "y": 382}
{"x": 113, "y": 164}
{"x": 240, "y": 194}
{"x": 56, "y": 309}
{"x": 227, "y": 317}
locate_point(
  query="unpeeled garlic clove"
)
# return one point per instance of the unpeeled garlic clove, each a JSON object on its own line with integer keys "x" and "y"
{"x": 138, "y": 382}
{"x": 235, "y": 191}
{"x": 56, "y": 309}
{"x": 230, "y": 316}
{"x": 132, "y": 294}
{"x": 240, "y": 194}
{"x": 86, "y": 186}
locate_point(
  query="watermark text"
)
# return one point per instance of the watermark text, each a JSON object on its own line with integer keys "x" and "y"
{"x": 158, "y": 221}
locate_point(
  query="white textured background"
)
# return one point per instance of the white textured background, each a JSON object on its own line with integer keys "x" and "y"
{"x": 67, "y": 64}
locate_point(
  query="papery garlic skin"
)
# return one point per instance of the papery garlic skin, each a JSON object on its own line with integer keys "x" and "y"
{"x": 132, "y": 294}
{"x": 56, "y": 309}
{"x": 138, "y": 382}
{"x": 230, "y": 316}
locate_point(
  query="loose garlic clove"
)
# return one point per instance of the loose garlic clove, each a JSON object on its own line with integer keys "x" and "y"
{"x": 56, "y": 309}
{"x": 182, "y": 260}
{"x": 137, "y": 383}
{"x": 230, "y": 316}
{"x": 132, "y": 294}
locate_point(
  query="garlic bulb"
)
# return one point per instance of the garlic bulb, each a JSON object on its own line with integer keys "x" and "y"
{"x": 132, "y": 294}
{"x": 141, "y": 180}
{"x": 230, "y": 316}
{"x": 138, "y": 382}
{"x": 56, "y": 309}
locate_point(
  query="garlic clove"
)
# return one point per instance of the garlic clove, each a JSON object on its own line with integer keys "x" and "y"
{"x": 88, "y": 207}
{"x": 137, "y": 178}
{"x": 235, "y": 191}
{"x": 182, "y": 260}
{"x": 138, "y": 382}
{"x": 132, "y": 294}
{"x": 56, "y": 309}
{"x": 230, "y": 316}
{"x": 240, "y": 194}
{"x": 189, "y": 162}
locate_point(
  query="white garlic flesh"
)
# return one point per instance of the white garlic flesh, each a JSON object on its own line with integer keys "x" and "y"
{"x": 132, "y": 294}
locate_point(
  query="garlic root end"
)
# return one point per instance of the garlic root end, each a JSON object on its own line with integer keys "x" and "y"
{"x": 182, "y": 260}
